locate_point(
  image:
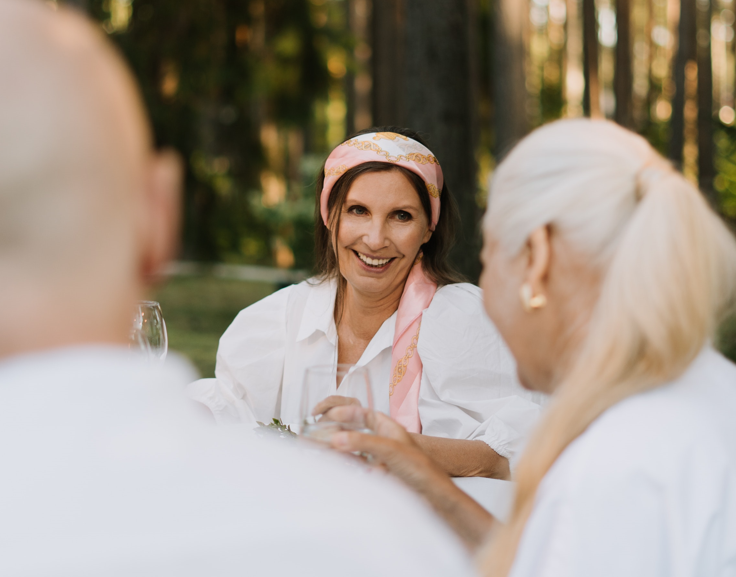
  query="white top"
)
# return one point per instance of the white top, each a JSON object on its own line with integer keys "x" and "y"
{"x": 109, "y": 470}
{"x": 469, "y": 387}
{"x": 649, "y": 490}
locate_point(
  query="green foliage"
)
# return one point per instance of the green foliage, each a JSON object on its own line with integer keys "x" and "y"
{"x": 727, "y": 338}
{"x": 198, "y": 309}
{"x": 213, "y": 73}
{"x": 725, "y": 181}
{"x": 275, "y": 428}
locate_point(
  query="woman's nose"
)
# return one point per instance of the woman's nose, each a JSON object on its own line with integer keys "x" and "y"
{"x": 376, "y": 237}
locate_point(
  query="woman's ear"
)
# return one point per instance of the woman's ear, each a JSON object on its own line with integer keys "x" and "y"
{"x": 538, "y": 260}
{"x": 427, "y": 236}
{"x": 162, "y": 219}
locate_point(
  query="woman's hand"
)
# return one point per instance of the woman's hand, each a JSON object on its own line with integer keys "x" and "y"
{"x": 394, "y": 449}
{"x": 391, "y": 446}
{"x": 324, "y": 407}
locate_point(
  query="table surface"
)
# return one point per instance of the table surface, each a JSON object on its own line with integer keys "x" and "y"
{"x": 494, "y": 495}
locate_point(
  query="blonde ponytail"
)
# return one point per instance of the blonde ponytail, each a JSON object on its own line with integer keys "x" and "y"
{"x": 669, "y": 273}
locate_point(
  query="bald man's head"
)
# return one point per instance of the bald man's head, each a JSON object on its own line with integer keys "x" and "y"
{"x": 80, "y": 188}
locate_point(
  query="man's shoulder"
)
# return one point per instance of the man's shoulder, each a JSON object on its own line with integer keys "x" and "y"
{"x": 660, "y": 434}
{"x": 112, "y": 465}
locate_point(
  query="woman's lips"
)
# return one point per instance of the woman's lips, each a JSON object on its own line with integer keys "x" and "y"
{"x": 373, "y": 264}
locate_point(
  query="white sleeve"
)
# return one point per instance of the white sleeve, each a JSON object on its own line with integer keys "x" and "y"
{"x": 469, "y": 386}
{"x": 250, "y": 364}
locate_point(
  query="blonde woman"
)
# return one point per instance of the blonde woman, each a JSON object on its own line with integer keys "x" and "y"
{"x": 606, "y": 273}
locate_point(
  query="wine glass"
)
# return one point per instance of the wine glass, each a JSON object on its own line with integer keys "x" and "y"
{"x": 326, "y": 386}
{"x": 148, "y": 333}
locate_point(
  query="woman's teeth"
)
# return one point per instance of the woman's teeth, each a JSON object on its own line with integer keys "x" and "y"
{"x": 376, "y": 262}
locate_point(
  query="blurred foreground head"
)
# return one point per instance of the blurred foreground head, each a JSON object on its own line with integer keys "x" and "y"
{"x": 606, "y": 272}
{"x": 87, "y": 209}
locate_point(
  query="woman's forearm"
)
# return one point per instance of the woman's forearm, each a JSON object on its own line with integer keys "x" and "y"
{"x": 465, "y": 516}
{"x": 461, "y": 458}
{"x": 394, "y": 449}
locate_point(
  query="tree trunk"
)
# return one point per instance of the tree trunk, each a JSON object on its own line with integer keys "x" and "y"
{"x": 623, "y": 77}
{"x": 706, "y": 170}
{"x": 78, "y": 4}
{"x": 360, "y": 17}
{"x": 651, "y": 93}
{"x": 423, "y": 79}
{"x": 686, "y": 51}
{"x": 591, "y": 96}
{"x": 388, "y": 62}
{"x": 349, "y": 78}
{"x": 509, "y": 78}
{"x": 574, "y": 86}
{"x": 438, "y": 85}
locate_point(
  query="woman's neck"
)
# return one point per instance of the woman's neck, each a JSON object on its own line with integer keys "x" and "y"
{"x": 365, "y": 313}
{"x": 361, "y": 317}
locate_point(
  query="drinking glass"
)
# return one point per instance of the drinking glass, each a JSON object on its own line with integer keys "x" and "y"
{"x": 344, "y": 384}
{"x": 148, "y": 333}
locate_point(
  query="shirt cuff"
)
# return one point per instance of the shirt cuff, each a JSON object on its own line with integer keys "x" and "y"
{"x": 502, "y": 439}
{"x": 225, "y": 406}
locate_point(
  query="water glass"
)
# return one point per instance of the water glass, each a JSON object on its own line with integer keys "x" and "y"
{"x": 326, "y": 386}
{"x": 148, "y": 332}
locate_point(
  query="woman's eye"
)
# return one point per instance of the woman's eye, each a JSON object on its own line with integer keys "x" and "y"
{"x": 402, "y": 215}
{"x": 359, "y": 210}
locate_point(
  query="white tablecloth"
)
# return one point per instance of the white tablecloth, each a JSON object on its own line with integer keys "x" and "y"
{"x": 494, "y": 495}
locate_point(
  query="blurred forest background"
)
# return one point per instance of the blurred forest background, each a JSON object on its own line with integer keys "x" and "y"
{"x": 255, "y": 93}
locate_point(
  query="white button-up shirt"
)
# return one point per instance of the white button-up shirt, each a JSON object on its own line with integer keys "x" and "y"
{"x": 648, "y": 490}
{"x": 109, "y": 470}
{"x": 469, "y": 388}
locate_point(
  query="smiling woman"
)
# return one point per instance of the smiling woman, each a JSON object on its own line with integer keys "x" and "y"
{"x": 385, "y": 298}
{"x": 379, "y": 231}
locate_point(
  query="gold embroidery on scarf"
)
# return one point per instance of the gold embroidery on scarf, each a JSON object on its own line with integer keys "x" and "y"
{"x": 337, "y": 171}
{"x": 389, "y": 136}
{"x": 400, "y": 368}
{"x": 411, "y": 157}
{"x": 433, "y": 190}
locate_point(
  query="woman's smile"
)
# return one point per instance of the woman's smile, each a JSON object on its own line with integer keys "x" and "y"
{"x": 382, "y": 228}
{"x": 373, "y": 264}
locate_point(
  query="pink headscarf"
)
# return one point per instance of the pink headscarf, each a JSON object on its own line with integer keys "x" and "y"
{"x": 386, "y": 147}
{"x": 406, "y": 366}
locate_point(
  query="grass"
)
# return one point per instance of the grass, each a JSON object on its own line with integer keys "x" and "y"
{"x": 198, "y": 309}
{"x": 727, "y": 338}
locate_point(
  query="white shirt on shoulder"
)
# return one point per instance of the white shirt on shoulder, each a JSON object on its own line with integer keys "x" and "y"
{"x": 109, "y": 470}
{"x": 649, "y": 490}
{"x": 469, "y": 387}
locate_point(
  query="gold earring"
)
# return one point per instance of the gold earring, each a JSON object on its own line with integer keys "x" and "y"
{"x": 530, "y": 302}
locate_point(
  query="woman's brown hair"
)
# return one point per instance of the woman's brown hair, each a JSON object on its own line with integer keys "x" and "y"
{"x": 435, "y": 252}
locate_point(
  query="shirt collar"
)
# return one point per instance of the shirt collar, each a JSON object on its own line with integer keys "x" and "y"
{"x": 319, "y": 315}
{"x": 382, "y": 340}
{"x": 319, "y": 310}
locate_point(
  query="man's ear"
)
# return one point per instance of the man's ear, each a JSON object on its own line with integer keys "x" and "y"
{"x": 163, "y": 207}
{"x": 539, "y": 256}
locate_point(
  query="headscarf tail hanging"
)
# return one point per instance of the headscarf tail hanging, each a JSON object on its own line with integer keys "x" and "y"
{"x": 406, "y": 365}
{"x": 398, "y": 150}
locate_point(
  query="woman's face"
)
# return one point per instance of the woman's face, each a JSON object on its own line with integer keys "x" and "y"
{"x": 382, "y": 228}
{"x": 543, "y": 341}
{"x": 500, "y": 281}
